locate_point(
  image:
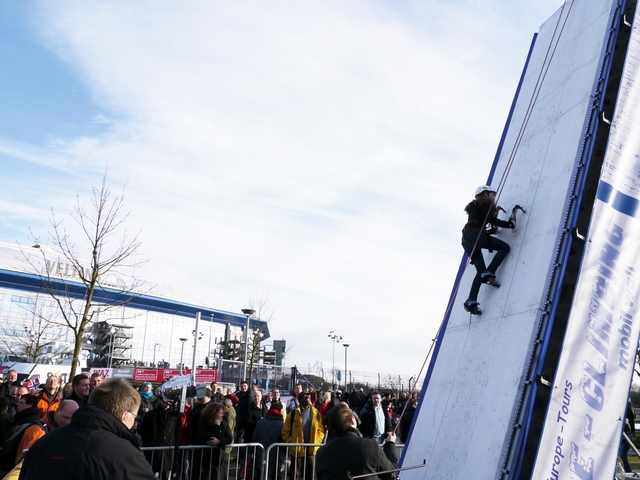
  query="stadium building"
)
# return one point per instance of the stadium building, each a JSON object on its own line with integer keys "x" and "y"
{"x": 150, "y": 329}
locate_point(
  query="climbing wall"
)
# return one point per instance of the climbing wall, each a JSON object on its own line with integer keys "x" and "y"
{"x": 473, "y": 393}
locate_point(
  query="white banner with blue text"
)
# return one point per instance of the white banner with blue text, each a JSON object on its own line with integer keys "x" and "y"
{"x": 585, "y": 417}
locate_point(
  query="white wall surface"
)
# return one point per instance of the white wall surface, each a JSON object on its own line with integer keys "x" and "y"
{"x": 468, "y": 405}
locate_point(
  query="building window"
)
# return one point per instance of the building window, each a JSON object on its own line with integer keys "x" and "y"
{"x": 23, "y": 300}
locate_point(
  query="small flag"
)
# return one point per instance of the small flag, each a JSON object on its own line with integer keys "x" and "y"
{"x": 32, "y": 384}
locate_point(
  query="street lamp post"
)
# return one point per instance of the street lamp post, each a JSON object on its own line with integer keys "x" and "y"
{"x": 346, "y": 383}
{"x": 182, "y": 339}
{"x": 247, "y": 312}
{"x": 112, "y": 331}
{"x": 154, "y": 353}
{"x": 209, "y": 351}
{"x": 335, "y": 338}
{"x": 196, "y": 336}
{"x": 32, "y": 350}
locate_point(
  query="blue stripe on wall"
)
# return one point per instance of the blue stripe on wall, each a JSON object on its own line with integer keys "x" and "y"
{"x": 619, "y": 201}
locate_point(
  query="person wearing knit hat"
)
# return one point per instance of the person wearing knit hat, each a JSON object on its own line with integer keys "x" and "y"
{"x": 194, "y": 416}
{"x": 148, "y": 401}
{"x": 269, "y": 431}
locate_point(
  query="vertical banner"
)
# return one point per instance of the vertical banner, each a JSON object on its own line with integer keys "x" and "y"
{"x": 585, "y": 417}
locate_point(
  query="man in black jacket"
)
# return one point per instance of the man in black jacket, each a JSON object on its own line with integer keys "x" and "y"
{"x": 242, "y": 410}
{"x": 10, "y": 378}
{"x": 98, "y": 444}
{"x": 81, "y": 388}
{"x": 348, "y": 453}
{"x": 374, "y": 419}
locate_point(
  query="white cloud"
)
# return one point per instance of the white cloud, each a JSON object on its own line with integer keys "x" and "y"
{"x": 320, "y": 151}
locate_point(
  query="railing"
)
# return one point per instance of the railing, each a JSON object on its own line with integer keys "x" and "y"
{"x": 202, "y": 462}
{"x": 289, "y": 461}
{"x": 247, "y": 461}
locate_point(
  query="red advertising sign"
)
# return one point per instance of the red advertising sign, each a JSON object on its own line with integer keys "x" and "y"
{"x": 207, "y": 375}
{"x": 105, "y": 372}
{"x": 172, "y": 372}
{"x": 145, "y": 375}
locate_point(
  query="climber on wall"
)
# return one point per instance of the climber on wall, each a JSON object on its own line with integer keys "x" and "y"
{"x": 477, "y": 235}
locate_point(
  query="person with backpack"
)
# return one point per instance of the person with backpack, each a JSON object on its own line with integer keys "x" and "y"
{"x": 303, "y": 425}
{"x": 6, "y": 420}
{"x": 98, "y": 443}
{"x": 26, "y": 413}
{"x": 62, "y": 416}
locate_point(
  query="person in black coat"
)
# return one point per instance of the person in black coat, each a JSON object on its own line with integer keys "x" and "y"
{"x": 26, "y": 410}
{"x": 370, "y": 426}
{"x": 256, "y": 411}
{"x": 98, "y": 444}
{"x": 6, "y": 421}
{"x": 242, "y": 409}
{"x": 269, "y": 431}
{"x": 159, "y": 429}
{"x": 349, "y": 453}
{"x": 16, "y": 390}
{"x": 193, "y": 418}
{"x": 148, "y": 401}
{"x": 211, "y": 430}
{"x": 407, "y": 419}
{"x": 483, "y": 211}
{"x": 80, "y": 389}
{"x": 27, "y": 413}
{"x": 630, "y": 430}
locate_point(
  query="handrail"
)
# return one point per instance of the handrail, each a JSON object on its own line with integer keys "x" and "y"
{"x": 395, "y": 470}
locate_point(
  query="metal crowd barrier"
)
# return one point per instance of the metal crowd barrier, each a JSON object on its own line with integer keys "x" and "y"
{"x": 283, "y": 461}
{"x": 247, "y": 461}
{"x": 203, "y": 462}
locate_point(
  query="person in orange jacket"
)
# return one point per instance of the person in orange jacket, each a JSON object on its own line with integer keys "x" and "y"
{"x": 54, "y": 419}
{"x": 50, "y": 397}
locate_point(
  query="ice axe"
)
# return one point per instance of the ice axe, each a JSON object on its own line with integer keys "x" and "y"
{"x": 514, "y": 210}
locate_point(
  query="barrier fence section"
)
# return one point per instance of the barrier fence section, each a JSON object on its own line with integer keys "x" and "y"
{"x": 203, "y": 462}
{"x": 318, "y": 378}
{"x": 248, "y": 461}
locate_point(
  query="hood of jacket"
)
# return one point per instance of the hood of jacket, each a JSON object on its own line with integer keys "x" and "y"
{"x": 27, "y": 415}
{"x": 274, "y": 416}
{"x": 95, "y": 418}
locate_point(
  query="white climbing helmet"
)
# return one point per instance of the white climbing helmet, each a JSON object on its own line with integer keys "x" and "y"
{"x": 484, "y": 188}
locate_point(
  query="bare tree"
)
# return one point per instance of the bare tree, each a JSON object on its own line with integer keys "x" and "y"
{"x": 258, "y": 302}
{"x": 37, "y": 342}
{"x": 111, "y": 248}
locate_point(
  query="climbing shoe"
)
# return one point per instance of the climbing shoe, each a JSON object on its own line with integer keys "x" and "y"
{"x": 490, "y": 279}
{"x": 471, "y": 306}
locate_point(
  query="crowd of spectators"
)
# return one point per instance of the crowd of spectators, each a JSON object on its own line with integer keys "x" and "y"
{"x": 110, "y": 421}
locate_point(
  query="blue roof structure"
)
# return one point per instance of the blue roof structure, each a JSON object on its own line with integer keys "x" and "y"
{"x": 34, "y": 283}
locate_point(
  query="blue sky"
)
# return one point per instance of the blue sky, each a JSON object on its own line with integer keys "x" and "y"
{"x": 40, "y": 96}
{"x": 320, "y": 153}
